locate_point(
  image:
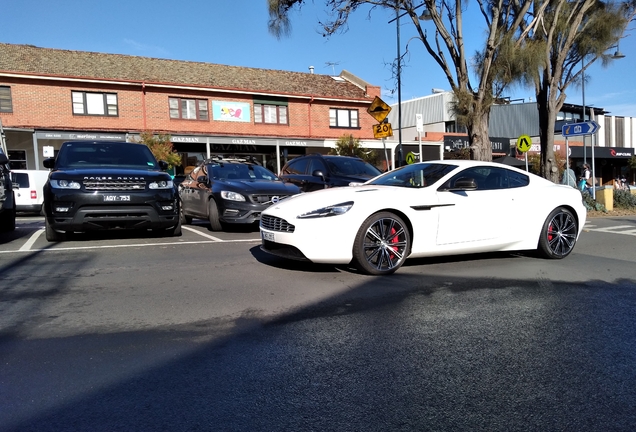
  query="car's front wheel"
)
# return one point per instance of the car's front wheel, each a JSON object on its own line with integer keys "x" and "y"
{"x": 51, "y": 234}
{"x": 213, "y": 216}
{"x": 185, "y": 220}
{"x": 382, "y": 244}
{"x": 558, "y": 235}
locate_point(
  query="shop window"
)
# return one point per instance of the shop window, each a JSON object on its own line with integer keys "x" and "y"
{"x": 6, "y": 104}
{"x": 17, "y": 159}
{"x": 188, "y": 109}
{"x": 343, "y": 118}
{"x": 94, "y": 104}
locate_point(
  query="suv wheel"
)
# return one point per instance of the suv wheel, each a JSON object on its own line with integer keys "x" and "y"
{"x": 51, "y": 234}
{"x": 213, "y": 216}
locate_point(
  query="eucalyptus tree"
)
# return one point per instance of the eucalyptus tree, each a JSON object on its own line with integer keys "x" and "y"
{"x": 476, "y": 79}
{"x": 571, "y": 35}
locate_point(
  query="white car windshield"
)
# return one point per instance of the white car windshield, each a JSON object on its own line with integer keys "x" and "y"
{"x": 418, "y": 175}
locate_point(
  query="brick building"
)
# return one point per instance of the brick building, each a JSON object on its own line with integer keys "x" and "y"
{"x": 48, "y": 96}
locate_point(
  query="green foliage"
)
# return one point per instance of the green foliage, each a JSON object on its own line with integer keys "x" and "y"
{"x": 591, "y": 204}
{"x": 161, "y": 147}
{"x": 347, "y": 145}
{"x": 624, "y": 199}
{"x": 632, "y": 162}
{"x": 534, "y": 163}
{"x": 463, "y": 153}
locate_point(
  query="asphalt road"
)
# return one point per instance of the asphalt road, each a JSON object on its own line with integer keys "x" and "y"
{"x": 206, "y": 333}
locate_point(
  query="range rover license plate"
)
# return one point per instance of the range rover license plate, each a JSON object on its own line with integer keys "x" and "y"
{"x": 116, "y": 198}
{"x": 268, "y": 236}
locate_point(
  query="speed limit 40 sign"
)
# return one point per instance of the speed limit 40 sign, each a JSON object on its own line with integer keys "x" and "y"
{"x": 382, "y": 130}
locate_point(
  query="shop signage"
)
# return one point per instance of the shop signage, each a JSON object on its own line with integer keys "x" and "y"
{"x": 80, "y": 136}
{"x": 602, "y": 152}
{"x": 498, "y": 145}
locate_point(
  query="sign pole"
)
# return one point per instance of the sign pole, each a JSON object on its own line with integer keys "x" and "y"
{"x": 419, "y": 138}
{"x": 593, "y": 164}
{"x": 386, "y": 155}
{"x": 567, "y": 161}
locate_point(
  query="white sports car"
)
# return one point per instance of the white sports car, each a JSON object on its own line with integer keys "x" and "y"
{"x": 426, "y": 209}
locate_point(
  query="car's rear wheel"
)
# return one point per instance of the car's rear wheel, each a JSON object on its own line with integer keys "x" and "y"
{"x": 51, "y": 234}
{"x": 213, "y": 216}
{"x": 382, "y": 244}
{"x": 558, "y": 235}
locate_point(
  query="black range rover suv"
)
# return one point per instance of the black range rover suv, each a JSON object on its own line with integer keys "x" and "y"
{"x": 99, "y": 185}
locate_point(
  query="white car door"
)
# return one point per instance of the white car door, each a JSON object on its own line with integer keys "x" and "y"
{"x": 474, "y": 216}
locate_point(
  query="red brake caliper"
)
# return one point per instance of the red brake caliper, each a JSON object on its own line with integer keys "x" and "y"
{"x": 550, "y": 235}
{"x": 394, "y": 240}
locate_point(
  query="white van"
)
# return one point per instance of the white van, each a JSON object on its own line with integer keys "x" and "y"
{"x": 28, "y": 186}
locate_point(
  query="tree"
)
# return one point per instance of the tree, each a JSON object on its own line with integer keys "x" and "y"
{"x": 494, "y": 67}
{"x": 571, "y": 34}
{"x": 161, "y": 147}
{"x": 347, "y": 145}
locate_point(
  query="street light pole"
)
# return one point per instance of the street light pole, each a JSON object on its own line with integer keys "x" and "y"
{"x": 399, "y": 85}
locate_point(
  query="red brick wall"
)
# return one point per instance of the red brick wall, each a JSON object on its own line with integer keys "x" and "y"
{"x": 46, "y": 104}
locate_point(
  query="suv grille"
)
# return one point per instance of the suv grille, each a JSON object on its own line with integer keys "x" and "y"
{"x": 276, "y": 224}
{"x": 266, "y": 199}
{"x": 114, "y": 185}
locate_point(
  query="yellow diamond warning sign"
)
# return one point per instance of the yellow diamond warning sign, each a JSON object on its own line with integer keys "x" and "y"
{"x": 379, "y": 109}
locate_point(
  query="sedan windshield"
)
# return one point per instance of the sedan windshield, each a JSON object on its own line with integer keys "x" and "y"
{"x": 414, "y": 176}
{"x": 115, "y": 154}
{"x": 351, "y": 167}
{"x": 235, "y": 171}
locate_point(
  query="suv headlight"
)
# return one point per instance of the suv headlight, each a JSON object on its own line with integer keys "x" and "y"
{"x": 332, "y": 210}
{"x": 232, "y": 196}
{"x": 65, "y": 184}
{"x": 161, "y": 184}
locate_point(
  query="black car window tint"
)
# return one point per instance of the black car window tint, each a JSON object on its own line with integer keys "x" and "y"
{"x": 317, "y": 164}
{"x": 336, "y": 167}
{"x": 297, "y": 166}
{"x": 516, "y": 179}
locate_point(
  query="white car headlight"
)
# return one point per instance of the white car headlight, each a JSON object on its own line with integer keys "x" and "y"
{"x": 65, "y": 184}
{"x": 332, "y": 210}
{"x": 232, "y": 196}
{"x": 161, "y": 184}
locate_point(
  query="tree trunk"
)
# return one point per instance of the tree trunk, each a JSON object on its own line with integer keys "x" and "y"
{"x": 549, "y": 168}
{"x": 480, "y": 147}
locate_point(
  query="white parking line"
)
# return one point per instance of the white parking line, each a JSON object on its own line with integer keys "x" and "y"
{"x": 613, "y": 228}
{"x": 202, "y": 234}
{"x": 178, "y": 243}
{"x": 31, "y": 240}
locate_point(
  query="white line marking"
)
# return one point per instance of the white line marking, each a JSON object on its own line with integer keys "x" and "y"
{"x": 612, "y": 228}
{"x": 32, "y": 239}
{"x": 130, "y": 245}
{"x": 202, "y": 234}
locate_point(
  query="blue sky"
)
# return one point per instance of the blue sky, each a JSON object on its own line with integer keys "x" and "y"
{"x": 234, "y": 32}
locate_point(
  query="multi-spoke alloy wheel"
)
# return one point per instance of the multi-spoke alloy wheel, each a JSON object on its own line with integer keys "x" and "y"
{"x": 382, "y": 244}
{"x": 558, "y": 235}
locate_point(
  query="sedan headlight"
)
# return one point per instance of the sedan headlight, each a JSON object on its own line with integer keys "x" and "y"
{"x": 332, "y": 210}
{"x": 65, "y": 184}
{"x": 232, "y": 196}
{"x": 161, "y": 184}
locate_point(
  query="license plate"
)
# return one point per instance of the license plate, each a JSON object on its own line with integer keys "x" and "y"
{"x": 267, "y": 236}
{"x": 116, "y": 198}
